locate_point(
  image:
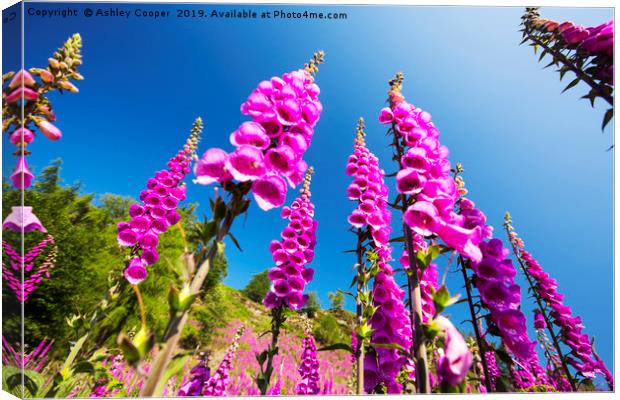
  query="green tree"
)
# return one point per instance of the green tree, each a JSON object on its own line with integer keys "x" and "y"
{"x": 312, "y": 305}
{"x": 258, "y": 287}
{"x": 337, "y": 299}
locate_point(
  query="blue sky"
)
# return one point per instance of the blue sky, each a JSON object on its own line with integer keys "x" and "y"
{"x": 525, "y": 147}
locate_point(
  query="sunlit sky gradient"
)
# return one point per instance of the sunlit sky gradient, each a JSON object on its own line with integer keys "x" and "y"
{"x": 525, "y": 147}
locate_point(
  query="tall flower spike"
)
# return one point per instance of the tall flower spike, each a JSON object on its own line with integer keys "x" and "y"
{"x": 425, "y": 176}
{"x": 545, "y": 288}
{"x": 309, "y": 368}
{"x": 391, "y": 321}
{"x": 293, "y": 252}
{"x": 218, "y": 383}
{"x": 157, "y": 211}
{"x": 270, "y": 148}
{"x": 494, "y": 278}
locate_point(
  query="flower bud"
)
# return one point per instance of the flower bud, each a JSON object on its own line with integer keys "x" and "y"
{"x": 53, "y": 63}
{"x": 49, "y": 130}
{"x": 68, "y": 86}
{"x": 27, "y": 93}
{"x": 46, "y": 76}
{"x": 22, "y": 76}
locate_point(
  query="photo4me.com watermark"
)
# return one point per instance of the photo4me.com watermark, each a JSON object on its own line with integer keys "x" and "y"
{"x": 185, "y": 12}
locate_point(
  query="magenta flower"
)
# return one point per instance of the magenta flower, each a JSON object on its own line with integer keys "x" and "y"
{"x": 135, "y": 271}
{"x": 561, "y": 315}
{"x": 22, "y": 78}
{"x": 25, "y": 92}
{"x": 250, "y": 134}
{"x": 211, "y": 167}
{"x": 21, "y": 176}
{"x": 246, "y": 163}
{"x": 539, "y": 320}
{"x": 22, "y": 219}
{"x": 218, "y": 382}
{"x": 269, "y": 191}
{"x": 21, "y": 135}
{"x": 456, "y": 360}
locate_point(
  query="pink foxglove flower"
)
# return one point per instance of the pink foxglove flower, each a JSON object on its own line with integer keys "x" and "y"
{"x": 21, "y": 176}
{"x": 21, "y": 135}
{"x": 293, "y": 252}
{"x": 570, "y": 327}
{"x": 456, "y": 360}
{"x": 22, "y": 78}
{"x": 211, "y": 167}
{"x": 22, "y": 219}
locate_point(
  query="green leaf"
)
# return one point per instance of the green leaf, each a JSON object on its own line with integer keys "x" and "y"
{"x": 608, "y": 116}
{"x": 570, "y": 85}
{"x": 234, "y": 240}
{"x": 176, "y": 365}
{"x": 65, "y": 371}
{"x": 220, "y": 210}
{"x": 337, "y": 346}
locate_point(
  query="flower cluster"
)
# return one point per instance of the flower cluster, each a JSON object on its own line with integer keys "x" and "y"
{"x": 35, "y": 360}
{"x": 158, "y": 210}
{"x": 270, "y": 148}
{"x": 455, "y": 358}
{"x": 390, "y": 322}
{"x": 293, "y": 252}
{"x": 494, "y": 279}
{"x": 425, "y": 177}
{"x": 198, "y": 376}
{"x": 24, "y": 289}
{"x": 309, "y": 368}
{"x": 570, "y": 327}
{"x": 594, "y": 39}
{"x": 23, "y": 90}
{"x": 217, "y": 384}
{"x": 583, "y": 358}
{"x": 494, "y": 371}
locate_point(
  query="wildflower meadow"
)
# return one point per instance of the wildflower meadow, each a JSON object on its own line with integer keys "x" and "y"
{"x": 190, "y": 260}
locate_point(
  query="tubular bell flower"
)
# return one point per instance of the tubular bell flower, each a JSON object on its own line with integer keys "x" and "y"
{"x": 157, "y": 211}
{"x": 198, "y": 376}
{"x": 456, "y": 360}
{"x": 270, "y": 148}
{"x": 425, "y": 177}
{"x": 21, "y": 176}
{"x": 22, "y": 219}
{"x": 294, "y": 251}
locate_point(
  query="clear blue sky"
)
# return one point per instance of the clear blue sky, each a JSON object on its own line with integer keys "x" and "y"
{"x": 525, "y": 147}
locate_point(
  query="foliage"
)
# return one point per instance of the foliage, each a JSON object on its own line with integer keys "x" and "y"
{"x": 337, "y": 299}
{"x": 258, "y": 287}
